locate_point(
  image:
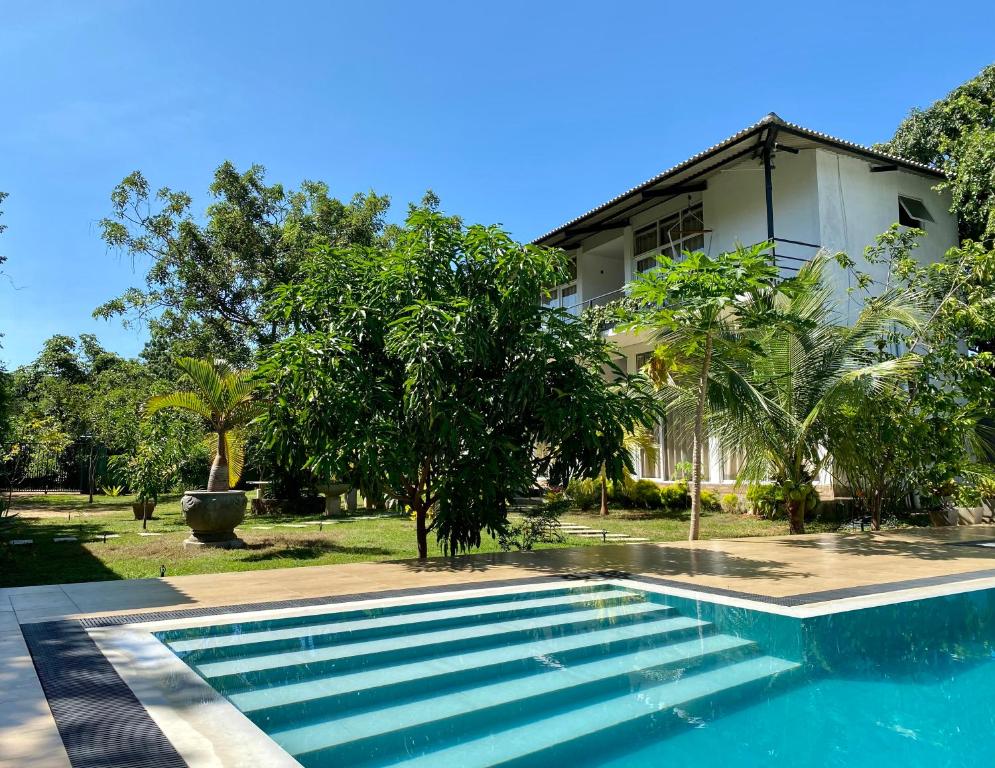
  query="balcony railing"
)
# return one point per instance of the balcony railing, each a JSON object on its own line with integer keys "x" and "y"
{"x": 597, "y": 301}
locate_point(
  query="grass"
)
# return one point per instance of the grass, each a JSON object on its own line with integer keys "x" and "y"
{"x": 271, "y": 542}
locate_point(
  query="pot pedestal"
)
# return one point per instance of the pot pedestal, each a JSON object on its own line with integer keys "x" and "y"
{"x": 212, "y": 517}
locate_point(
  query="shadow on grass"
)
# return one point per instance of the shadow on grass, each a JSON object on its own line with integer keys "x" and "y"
{"x": 308, "y": 550}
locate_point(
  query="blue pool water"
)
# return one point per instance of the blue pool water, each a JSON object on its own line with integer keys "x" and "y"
{"x": 611, "y": 675}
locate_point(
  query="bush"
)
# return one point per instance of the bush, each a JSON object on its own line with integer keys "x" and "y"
{"x": 644, "y": 494}
{"x": 710, "y": 501}
{"x": 584, "y": 493}
{"x": 763, "y": 499}
{"x": 676, "y": 497}
{"x": 730, "y": 503}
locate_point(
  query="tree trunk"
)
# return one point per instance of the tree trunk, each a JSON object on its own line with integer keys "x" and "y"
{"x": 876, "y": 504}
{"x": 218, "y": 479}
{"x": 604, "y": 490}
{"x": 421, "y": 516}
{"x": 699, "y": 436}
{"x": 796, "y": 516}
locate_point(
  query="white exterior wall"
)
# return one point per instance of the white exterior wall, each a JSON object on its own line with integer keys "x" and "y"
{"x": 856, "y": 205}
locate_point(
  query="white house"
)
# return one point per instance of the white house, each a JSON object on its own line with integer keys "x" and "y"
{"x": 773, "y": 181}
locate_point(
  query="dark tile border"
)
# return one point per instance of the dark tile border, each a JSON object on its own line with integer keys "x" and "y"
{"x": 101, "y": 722}
{"x": 103, "y": 725}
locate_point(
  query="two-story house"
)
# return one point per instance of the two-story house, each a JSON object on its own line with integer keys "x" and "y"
{"x": 773, "y": 181}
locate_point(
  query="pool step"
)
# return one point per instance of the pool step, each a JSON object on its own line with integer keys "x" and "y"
{"x": 397, "y": 730}
{"x": 207, "y": 649}
{"x": 299, "y": 702}
{"x": 537, "y": 741}
{"x": 267, "y": 669}
{"x": 412, "y": 610}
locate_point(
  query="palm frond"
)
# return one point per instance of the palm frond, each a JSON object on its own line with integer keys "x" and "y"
{"x": 185, "y": 401}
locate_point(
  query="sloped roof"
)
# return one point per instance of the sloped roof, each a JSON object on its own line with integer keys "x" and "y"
{"x": 737, "y": 145}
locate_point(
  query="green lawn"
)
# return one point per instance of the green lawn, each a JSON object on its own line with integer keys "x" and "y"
{"x": 131, "y": 556}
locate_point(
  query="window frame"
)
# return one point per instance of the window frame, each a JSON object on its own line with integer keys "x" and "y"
{"x": 645, "y": 260}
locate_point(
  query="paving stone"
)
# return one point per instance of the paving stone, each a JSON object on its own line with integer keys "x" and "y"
{"x": 58, "y": 539}
{"x": 21, "y": 542}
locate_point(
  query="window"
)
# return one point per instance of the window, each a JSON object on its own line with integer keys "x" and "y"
{"x": 642, "y": 358}
{"x": 564, "y": 296}
{"x": 670, "y": 236}
{"x": 912, "y": 212}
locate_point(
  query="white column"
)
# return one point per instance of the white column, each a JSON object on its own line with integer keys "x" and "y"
{"x": 714, "y": 460}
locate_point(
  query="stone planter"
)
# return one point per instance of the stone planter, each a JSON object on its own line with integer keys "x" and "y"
{"x": 212, "y": 517}
{"x": 143, "y": 510}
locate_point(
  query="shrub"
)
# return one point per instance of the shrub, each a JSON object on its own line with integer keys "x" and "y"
{"x": 584, "y": 493}
{"x": 710, "y": 501}
{"x": 537, "y": 526}
{"x": 675, "y": 497}
{"x": 763, "y": 499}
{"x": 730, "y": 503}
{"x": 644, "y": 494}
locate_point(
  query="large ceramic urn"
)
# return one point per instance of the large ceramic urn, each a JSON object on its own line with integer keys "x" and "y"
{"x": 212, "y": 517}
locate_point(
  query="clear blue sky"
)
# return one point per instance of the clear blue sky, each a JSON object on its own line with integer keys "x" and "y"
{"x": 523, "y": 113}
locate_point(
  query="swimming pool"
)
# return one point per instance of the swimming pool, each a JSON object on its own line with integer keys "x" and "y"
{"x": 610, "y": 673}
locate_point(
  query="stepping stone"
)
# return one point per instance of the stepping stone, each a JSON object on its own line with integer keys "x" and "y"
{"x": 293, "y": 525}
{"x": 19, "y": 542}
{"x": 59, "y": 539}
{"x": 148, "y": 533}
{"x": 262, "y": 527}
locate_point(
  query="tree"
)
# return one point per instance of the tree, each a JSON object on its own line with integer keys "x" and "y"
{"x": 957, "y": 133}
{"x": 934, "y": 431}
{"x": 694, "y": 308}
{"x": 805, "y": 365}
{"x": 209, "y": 280}
{"x": 224, "y": 399}
{"x": 428, "y": 367}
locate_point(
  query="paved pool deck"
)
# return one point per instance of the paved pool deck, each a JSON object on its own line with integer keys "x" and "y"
{"x": 812, "y": 571}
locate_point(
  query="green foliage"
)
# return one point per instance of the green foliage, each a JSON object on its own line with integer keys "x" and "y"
{"x": 112, "y": 490}
{"x": 428, "y": 367}
{"x": 675, "y": 497}
{"x": 224, "y": 399}
{"x": 935, "y": 430}
{"x": 804, "y": 364}
{"x": 683, "y": 470}
{"x": 585, "y": 493}
{"x": 710, "y": 500}
{"x": 537, "y": 526}
{"x": 730, "y": 503}
{"x": 957, "y": 133}
{"x": 643, "y": 494}
{"x": 209, "y": 281}
{"x": 763, "y": 499}
{"x": 608, "y": 315}
{"x": 695, "y": 309}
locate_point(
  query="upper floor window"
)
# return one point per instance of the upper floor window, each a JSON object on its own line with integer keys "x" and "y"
{"x": 912, "y": 212}
{"x": 564, "y": 296}
{"x": 670, "y": 236}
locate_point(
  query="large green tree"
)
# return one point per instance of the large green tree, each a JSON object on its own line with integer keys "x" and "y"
{"x": 921, "y": 439}
{"x": 694, "y": 306}
{"x": 208, "y": 276}
{"x": 429, "y": 368}
{"x": 957, "y": 133}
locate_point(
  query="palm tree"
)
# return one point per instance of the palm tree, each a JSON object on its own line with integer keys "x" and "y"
{"x": 223, "y": 398}
{"x": 805, "y": 365}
